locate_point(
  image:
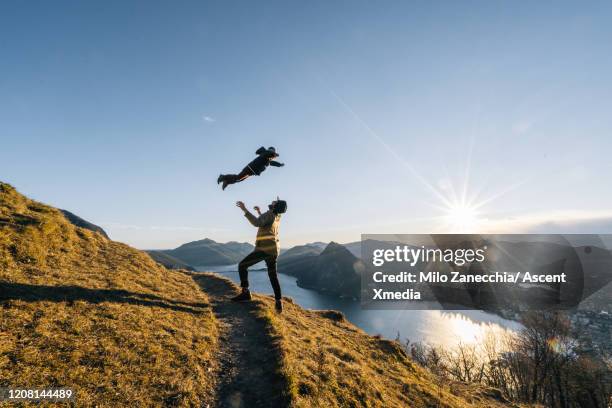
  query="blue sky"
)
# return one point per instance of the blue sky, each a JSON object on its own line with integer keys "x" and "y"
{"x": 384, "y": 113}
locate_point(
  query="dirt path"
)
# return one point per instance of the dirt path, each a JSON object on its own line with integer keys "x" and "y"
{"x": 249, "y": 372}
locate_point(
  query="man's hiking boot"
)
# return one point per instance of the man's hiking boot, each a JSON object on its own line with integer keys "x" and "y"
{"x": 220, "y": 179}
{"x": 225, "y": 184}
{"x": 278, "y": 305}
{"x": 244, "y": 296}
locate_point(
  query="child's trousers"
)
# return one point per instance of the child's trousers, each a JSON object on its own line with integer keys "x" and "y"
{"x": 235, "y": 178}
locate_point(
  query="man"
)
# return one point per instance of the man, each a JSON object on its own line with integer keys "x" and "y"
{"x": 266, "y": 249}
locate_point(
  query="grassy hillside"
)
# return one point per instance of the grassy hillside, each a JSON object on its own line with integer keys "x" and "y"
{"x": 328, "y": 362}
{"x": 79, "y": 310}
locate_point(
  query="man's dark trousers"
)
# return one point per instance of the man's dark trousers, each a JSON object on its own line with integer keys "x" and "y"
{"x": 253, "y": 258}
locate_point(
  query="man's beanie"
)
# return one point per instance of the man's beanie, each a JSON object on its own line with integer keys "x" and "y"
{"x": 280, "y": 207}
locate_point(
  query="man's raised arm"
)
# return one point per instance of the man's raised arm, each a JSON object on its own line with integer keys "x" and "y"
{"x": 260, "y": 221}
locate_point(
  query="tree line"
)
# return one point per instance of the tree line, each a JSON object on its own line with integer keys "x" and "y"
{"x": 544, "y": 363}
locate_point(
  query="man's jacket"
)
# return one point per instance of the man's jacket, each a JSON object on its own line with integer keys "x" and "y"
{"x": 267, "y": 232}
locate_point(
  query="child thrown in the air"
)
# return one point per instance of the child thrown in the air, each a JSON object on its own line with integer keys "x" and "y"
{"x": 265, "y": 157}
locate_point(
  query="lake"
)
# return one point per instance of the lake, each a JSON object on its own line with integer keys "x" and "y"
{"x": 444, "y": 328}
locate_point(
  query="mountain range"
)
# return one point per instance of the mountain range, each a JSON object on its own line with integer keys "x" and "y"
{"x": 207, "y": 252}
{"x": 330, "y": 268}
{"x": 335, "y": 270}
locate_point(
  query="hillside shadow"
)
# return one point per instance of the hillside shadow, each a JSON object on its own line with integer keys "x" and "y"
{"x": 37, "y": 293}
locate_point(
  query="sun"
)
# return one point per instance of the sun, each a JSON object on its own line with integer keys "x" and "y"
{"x": 462, "y": 218}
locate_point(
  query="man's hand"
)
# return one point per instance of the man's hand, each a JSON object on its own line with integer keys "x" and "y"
{"x": 257, "y": 209}
{"x": 241, "y": 205}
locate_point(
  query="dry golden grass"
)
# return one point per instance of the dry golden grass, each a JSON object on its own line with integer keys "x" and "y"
{"x": 331, "y": 363}
{"x": 80, "y": 311}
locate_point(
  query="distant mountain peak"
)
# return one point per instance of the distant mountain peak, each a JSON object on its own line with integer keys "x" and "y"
{"x": 201, "y": 242}
{"x": 336, "y": 249}
{"x": 208, "y": 252}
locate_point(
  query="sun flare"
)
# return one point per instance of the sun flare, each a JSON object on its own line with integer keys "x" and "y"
{"x": 462, "y": 218}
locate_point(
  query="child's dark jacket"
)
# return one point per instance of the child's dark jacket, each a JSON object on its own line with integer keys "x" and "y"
{"x": 263, "y": 160}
